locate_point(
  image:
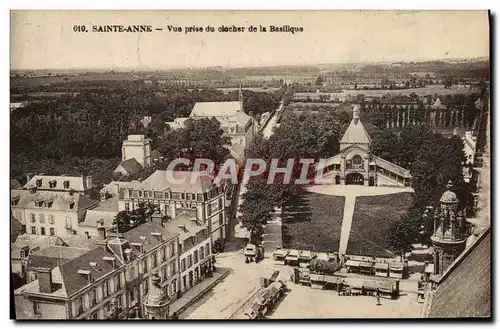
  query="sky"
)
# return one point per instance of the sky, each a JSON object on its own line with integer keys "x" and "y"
{"x": 46, "y": 39}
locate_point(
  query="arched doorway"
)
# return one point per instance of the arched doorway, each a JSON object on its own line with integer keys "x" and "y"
{"x": 354, "y": 178}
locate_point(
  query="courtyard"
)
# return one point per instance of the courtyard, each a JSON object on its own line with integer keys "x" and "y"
{"x": 345, "y": 218}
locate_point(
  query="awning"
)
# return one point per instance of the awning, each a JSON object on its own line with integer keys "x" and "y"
{"x": 429, "y": 268}
{"x": 280, "y": 253}
{"x": 292, "y": 257}
{"x": 382, "y": 266}
{"x": 365, "y": 264}
{"x": 317, "y": 277}
{"x": 396, "y": 266}
{"x": 331, "y": 279}
{"x": 352, "y": 263}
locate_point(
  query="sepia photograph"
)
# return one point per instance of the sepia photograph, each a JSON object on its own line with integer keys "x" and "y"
{"x": 250, "y": 165}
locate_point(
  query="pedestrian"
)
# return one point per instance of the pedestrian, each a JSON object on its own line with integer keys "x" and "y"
{"x": 378, "y": 298}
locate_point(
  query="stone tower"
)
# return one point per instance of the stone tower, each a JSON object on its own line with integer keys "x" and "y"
{"x": 157, "y": 303}
{"x": 450, "y": 232}
{"x": 138, "y": 147}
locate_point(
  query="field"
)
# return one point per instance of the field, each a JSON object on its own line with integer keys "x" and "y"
{"x": 313, "y": 222}
{"x": 428, "y": 90}
{"x": 372, "y": 216}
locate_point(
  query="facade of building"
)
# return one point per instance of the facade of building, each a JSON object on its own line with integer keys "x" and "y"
{"x": 45, "y": 212}
{"x": 110, "y": 281}
{"x": 195, "y": 252}
{"x": 138, "y": 147}
{"x": 204, "y": 198}
{"x": 355, "y": 164}
{"x": 450, "y": 231}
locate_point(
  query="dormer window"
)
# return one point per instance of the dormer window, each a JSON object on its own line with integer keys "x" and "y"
{"x": 53, "y": 183}
{"x": 71, "y": 205}
{"x": 39, "y": 182}
{"x": 183, "y": 196}
{"x": 140, "y": 194}
{"x": 15, "y": 201}
{"x": 48, "y": 204}
{"x": 39, "y": 204}
{"x": 66, "y": 184}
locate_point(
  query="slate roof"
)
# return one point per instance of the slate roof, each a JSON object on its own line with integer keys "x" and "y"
{"x": 108, "y": 205}
{"x": 356, "y": 134}
{"x": 149, "y": 242}
{"x": 464, "y": 290}
{"x": 191, "y": 224}
{"x": 155, "y": 154}
{"x": 158, "y": 182}
{"x": 52, "y": 256}
{"x": 77, "y": 183}
{"x": 14, "y": 184}
{"x": 97, "y": 218}
{"x": 60, "y": 200}
{"x": 131, "y": 166}
{"x": 215, "y": 109}
{"x": 438, "y": 105}
{"x": 73, "y": 282}
{"x": 80, "y": 241}
{"x": 34, "y": 242}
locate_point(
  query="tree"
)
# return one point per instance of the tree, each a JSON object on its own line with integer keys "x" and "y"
{"x": 400, "y": 235}
{"x": 319, "y": 81}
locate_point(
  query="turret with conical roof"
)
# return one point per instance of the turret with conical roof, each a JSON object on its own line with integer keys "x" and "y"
{"x": 356, "y": 133}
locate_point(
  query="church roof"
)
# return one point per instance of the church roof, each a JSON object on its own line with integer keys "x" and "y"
{"x": 464, "y": 290}
{"x": 356, "y": 132}
{"x": 215, "y": 109}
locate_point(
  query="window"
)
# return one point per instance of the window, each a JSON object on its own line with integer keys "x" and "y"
{"x": 39, "y": 182}
{"x": 105, "y": 289}
{"x": 207, "y": 248}
{"x": 66, "y": 184}
{"x": 127, "y": 206}
{"x": 52, "y": 231}
{"x": 190, "y": 260}
{"x": 202, "y": 255}
{"x": 51, "y": 219}
{"x": 32, "y": 218}
{"x": 33, "y": 230}
{"x": 221, "y": 219}
{"x": 183, "y": 265}
{"x": 71, "y": 205}
{"x": 42, "y": 230}
{"x": 173, "y": 268}
{"x": 140, "y": 193}
{"x": 184, "y": 281}
{"x": 49, "y": 204}
{"x": 183, "y": 196}
{"x": 36, "y": 308}
{"x": 193, "y": 196}
{"x": 41, "y": 218}
{"x": 196, "y": 256}
{"x": 118, "y": 282}
{"x": 172, "y": 249}
{"x": 153, "y": 261}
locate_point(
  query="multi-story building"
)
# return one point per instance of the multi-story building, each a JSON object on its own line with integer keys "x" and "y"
{"x": 204, "y": 197}
{"x": 195, "y": 252}
{"x": 138, "y": 147}
{"x": 45, "y": 212}
{"x": 107, "y": 282}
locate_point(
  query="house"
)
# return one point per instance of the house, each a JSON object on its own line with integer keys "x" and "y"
{"x": 49, "y": 212}
{"x": 195, "y": 252}
{"x": 128, "y": 168}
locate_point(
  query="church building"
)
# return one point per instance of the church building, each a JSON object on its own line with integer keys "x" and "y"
{"x": 355, "y": 164}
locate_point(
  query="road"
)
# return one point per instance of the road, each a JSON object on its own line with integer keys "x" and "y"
{"x": 239, "y": 231}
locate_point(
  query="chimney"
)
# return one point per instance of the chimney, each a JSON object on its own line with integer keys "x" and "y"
{"x": 110, "y": 260}
{"x": 158, "y": 236}
{"x": 88, "y": 182}
{"x": 157, "y": 219}
{"x": 101, "y": 231}
{"x": 87, "y": 274}
{"x": 45, "y": 280}
{"x": 138, "y": 246}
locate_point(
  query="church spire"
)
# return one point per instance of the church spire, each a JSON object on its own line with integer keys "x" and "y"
{"x": 355, "y": 114}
